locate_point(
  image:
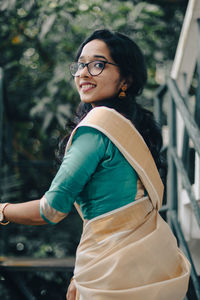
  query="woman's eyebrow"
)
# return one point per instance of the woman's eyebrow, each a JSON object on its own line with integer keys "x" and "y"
{"x": 100, "y": 56}
{"x": 94, "y": 56}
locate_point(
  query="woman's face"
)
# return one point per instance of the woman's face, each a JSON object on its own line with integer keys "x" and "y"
{"x": 105, "y": 85}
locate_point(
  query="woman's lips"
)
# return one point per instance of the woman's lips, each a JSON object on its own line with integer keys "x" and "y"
{"x": 85, "y": 87}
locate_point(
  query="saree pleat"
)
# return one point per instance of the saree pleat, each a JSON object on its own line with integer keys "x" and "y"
{"x": 137, "y": 260}
{"x": 130, "y": 253}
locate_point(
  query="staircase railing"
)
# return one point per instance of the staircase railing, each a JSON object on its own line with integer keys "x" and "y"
{"x": 177, "y": 168}
{"x": 177, "y": 163}
{"x": 183, "y": 133}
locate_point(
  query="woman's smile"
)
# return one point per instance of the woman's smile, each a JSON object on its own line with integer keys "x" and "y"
{"x": 86, "y": 87}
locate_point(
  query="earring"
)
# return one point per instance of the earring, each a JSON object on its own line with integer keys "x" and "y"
{"x": 122, "y": 94}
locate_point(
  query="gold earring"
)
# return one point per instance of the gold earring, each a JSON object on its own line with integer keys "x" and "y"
{"x": 122, "y": 94}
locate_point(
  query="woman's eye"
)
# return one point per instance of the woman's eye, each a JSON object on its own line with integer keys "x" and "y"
{"x": 99, "y": 65}
{"x": 81, "y": 66}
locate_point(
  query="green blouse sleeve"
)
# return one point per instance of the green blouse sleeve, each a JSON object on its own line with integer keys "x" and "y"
{"x": 80, "y": 162}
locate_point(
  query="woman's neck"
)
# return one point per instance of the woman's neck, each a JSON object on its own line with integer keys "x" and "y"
{"x": 123, "y": 106}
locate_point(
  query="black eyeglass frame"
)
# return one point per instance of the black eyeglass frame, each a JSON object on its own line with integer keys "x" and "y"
{"x": 87, "y": 64}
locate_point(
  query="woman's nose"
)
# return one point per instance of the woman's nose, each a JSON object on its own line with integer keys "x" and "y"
{"x": 84, "y": 72}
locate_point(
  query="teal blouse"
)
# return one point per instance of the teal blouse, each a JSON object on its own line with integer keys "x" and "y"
{"x": 94, "y": 174}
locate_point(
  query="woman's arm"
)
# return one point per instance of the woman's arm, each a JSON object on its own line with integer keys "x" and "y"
{"x": 27, "y": 213}
{"x": 87, "y": 150}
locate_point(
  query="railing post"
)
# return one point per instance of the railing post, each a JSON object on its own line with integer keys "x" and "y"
{"x": 197, "y": 105}
{"x": 172, "y": 197}
{"x": 2, "y": 235}
{"x": 185, "y": 147}
{"x": 158, "y": 99}
{"x": 1, "y": 118}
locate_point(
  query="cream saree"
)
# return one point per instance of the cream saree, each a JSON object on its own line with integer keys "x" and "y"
{"x": 129, "y": 253}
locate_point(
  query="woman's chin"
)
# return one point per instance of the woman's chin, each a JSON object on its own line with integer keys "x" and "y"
{"x": 90, "y": 101}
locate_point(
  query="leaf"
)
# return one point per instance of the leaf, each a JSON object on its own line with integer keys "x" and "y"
{"x": 46, "y": 26}
{"x": 47, "y": 120}
{"x": 61, "y": 120}
{"x": 40, "y": 107}
{"x": 8, "y": 4}
{"x": 65, "y": 109}
{"x": 29, "y": 4}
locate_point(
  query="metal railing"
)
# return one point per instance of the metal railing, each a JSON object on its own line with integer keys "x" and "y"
{"x": 182, "y": 145}
{"x": 177, "y": 164}
{"x": 1, "y": 116}
{"x": 176, "y": 167}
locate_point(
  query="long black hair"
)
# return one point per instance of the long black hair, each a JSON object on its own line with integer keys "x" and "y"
{"x": 130, "y": 60}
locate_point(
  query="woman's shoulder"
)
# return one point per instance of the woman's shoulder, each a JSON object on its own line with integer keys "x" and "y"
{"x": 88, "y": 133}
{"x": 90, "y": 139}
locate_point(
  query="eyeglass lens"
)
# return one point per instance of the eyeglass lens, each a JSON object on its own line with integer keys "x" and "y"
{"x": 94, "y": 68}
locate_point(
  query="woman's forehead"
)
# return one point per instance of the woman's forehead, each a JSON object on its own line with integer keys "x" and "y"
{"x": 95, "y": 49}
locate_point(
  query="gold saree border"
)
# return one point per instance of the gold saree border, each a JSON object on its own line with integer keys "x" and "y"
{"x": 49, "y": 213}
{"x": 130, "y": 215}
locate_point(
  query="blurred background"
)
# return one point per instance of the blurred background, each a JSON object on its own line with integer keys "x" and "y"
{"x": 38, "y": 40}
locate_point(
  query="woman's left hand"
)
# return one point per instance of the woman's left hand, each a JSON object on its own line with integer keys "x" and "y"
{"x": 71, "y": 292}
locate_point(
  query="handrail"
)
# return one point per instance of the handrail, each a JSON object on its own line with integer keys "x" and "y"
{"x": 186, "y": 183}
{"x": 187, "y": 49}
{"x": 190, "y": 124}
{"x": 181, "y": 238}
{"x": 22, "y": 264}
{"x": 176, "y": 166}
{"x": 11, "y": 269}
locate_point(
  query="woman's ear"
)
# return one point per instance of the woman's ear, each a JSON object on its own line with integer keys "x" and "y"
{"x": 129, "y": 81}
{"x": 126, "y": 82}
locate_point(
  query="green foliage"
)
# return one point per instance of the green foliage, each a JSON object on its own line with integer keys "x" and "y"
{"x": 38, "y": 40}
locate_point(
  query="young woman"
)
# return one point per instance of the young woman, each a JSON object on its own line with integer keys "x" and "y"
{"x": 110, "y": 171}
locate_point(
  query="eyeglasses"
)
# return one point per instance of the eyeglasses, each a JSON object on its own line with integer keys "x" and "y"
{"x": 94, "y": 67}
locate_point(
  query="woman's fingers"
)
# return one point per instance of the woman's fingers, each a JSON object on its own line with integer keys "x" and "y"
{"x": 71, "y": 292}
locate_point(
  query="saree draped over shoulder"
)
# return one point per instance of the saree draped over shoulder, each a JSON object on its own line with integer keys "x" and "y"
{"x": 129, "y": 253}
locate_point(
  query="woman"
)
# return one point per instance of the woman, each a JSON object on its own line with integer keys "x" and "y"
{"x": 126, "y": 250}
